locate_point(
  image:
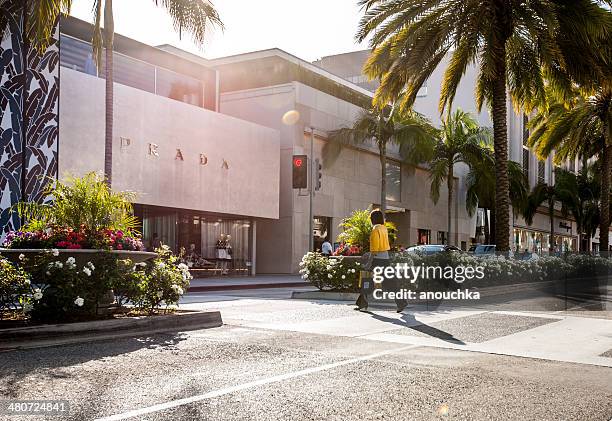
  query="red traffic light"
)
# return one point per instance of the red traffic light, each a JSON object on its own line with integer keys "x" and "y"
{"x": 298, "y": 162}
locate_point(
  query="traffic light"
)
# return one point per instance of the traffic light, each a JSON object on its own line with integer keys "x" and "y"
{"x": 318, "y": 167}
{"x": 300, "y": 171}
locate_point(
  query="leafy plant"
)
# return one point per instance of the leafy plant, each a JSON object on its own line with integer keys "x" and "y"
{"x": 160, "y": 282}
{"x": 81, "y": 204}
{"x": 14, "y": 285}
{"x": 356, "y": 230}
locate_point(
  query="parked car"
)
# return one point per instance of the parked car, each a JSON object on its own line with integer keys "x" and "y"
{"x": 482, "y": 250}
{"x": 428, "y": 249}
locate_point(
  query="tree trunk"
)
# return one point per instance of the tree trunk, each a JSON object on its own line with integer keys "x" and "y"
{"x": 449, "y": 183}
{"x": 551, "y": 216}
{"x": 109, "y": 29}
{"x": 486, "y": 226}
{"x": 604, "y": 222}
{"x": 500, "y": 143}
{"x": 383, "y": 184}
{"x": 492, "y": 229}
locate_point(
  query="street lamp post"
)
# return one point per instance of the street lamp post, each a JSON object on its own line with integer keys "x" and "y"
{"x": 312, "y": 192}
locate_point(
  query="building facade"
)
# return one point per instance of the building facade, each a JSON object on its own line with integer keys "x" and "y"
{"x": 263, "y": 87}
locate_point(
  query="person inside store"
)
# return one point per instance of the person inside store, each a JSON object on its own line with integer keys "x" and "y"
{"x": 228, "y": 253}
{"x": 326, "y": 248}
{"x": 379, "y": 247}
{"x": 155, "y": 242}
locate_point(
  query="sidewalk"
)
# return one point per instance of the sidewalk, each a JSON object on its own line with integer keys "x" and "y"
{"x": 246, "y": 282}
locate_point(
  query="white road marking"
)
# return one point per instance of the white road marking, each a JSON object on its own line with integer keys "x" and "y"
{"x": 239, "y": 387}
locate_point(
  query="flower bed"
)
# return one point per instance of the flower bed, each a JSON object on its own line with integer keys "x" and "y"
{"x": 53, "y": 287}
{"x": 335, "y": 274}
{"x": 499, "y": 270}
{"x": 82, "y": 251}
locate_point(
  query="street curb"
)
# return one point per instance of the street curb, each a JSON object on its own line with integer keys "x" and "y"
{"x": 324, "y": 295}
{"x": 59, "y": 334}
{"x": 248, "y": 286}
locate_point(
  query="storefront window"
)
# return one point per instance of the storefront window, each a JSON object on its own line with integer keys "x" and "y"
{"x": 196, "y": 234}
{"x": 538, "y": 242}
{"x": 321, "y": 230}
{"x": 424, "y": 236}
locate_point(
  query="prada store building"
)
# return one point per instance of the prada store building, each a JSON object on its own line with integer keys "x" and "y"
{"x": 198, "y": 174}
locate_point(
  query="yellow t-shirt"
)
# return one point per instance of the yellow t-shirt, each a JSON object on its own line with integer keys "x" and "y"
{"x": 379, "y": 239}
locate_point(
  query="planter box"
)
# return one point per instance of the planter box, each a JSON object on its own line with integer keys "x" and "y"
{"x": 82, "y": 256}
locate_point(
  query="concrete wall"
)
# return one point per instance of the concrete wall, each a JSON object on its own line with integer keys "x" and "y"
{"x": 352, "y": 182}
{"x": 248, "y": 185}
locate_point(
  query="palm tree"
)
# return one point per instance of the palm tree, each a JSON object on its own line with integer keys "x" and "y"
{"x": 513, "y": 42}
{"x": 480, "y": 184}
{"x": 41, "y": 19}
{"x": 193, "y": 16}
{"x": 580, "y": 197}
{"x": 543, "y": 193}
{"x": 580, "y": 128}
{"x": 409, "y": 130}
{"x": 461, "y": 140}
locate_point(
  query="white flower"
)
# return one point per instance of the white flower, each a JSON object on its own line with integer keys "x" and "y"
{"x": 59, "y": 265}
{"x": 91, "y": 266}
{"x": 329, "y": 267}
{"x": 329, "y": 275}
{"x": 37, "y": 294}
{"x": 27, "y": 282}
{"x": 79, "y": 301}
{"x": 304, "y": 276}
{"x": 22, "y": 256}
{"x": 27, "y": 307}
{"x": 352, "y": 270}
{"x": 70, "y": 260}
{"x": 55, "y": 252}
{"x": 177, "y": 289}
{"x": 48, "y": 273}
{"x": 343, "y": 276}
{"x": 161, "y": 265}
{"x": 183, "y": 267}
{"x": 87, "y": 271}
{"x": 160, "y": 294}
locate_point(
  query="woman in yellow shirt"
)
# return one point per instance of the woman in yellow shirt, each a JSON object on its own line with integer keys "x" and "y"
{"x": 379, "y": 247}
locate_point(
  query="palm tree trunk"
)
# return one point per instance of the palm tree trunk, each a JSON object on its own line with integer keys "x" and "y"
{"x": 486, "y": 226}
{"x": 551, "y": 216}
{"x": 492, "y": 229}
{"x": 604, "y": 222}
{"x": 383, "y": 184}
{"x": 500, "y": 143}
{"x": 108, "y": 127}
{"x": 449, "y": 183}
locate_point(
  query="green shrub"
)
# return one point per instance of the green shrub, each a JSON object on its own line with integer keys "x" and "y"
{"x": 337, "y": 274}
{"x": 157, "y": 283}
{"x": 68, "y": 290}
{"x": 14, "y": 287}
{"x": 356, "y": 230}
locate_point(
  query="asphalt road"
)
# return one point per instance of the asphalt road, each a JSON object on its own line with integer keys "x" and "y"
{"x": 239, "y": 372}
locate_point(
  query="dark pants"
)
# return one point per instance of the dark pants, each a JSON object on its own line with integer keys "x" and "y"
{"x": 389, "y": 284}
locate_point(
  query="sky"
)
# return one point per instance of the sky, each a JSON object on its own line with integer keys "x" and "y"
{"x": 309, "y": 29}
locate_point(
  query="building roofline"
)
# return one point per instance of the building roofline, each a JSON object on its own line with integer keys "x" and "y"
{"x": 277, "y": 52}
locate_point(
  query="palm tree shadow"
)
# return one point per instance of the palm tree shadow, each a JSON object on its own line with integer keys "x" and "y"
{"x": 409, "y": 321}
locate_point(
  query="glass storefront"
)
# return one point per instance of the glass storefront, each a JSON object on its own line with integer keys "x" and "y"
{"x": 538, "y": 242}
{"x": 197, "y": 234}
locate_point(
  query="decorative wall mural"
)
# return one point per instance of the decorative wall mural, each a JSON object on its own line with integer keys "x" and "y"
{"x": 32, "y": 107}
